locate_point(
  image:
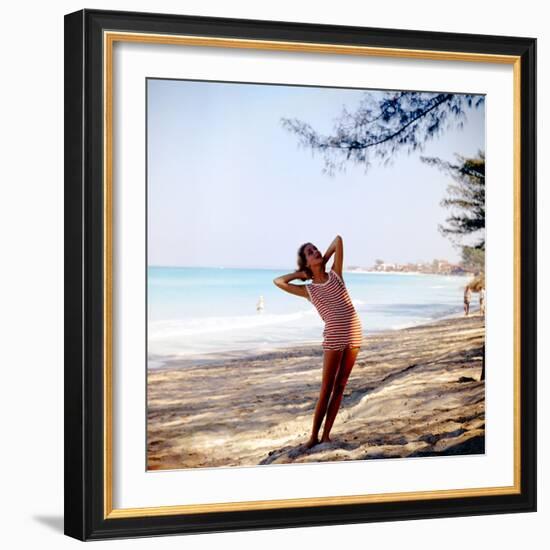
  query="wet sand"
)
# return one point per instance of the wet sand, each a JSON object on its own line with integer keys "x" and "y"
{"x": 412, "y": 392}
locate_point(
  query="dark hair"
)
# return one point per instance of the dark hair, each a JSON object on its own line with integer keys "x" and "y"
{"x": 302, "y": 262}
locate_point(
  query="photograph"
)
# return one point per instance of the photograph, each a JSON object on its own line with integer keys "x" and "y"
{"x": 315, "y": 274}
{"x": 278, "y": 243}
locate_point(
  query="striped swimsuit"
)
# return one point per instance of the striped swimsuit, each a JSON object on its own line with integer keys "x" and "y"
{"x": 332, "y": 301}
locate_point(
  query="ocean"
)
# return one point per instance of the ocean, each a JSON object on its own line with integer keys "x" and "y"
{"x": 198, "y": 315}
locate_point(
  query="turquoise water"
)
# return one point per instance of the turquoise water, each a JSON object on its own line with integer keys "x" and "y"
{"x": 199, "y": 313}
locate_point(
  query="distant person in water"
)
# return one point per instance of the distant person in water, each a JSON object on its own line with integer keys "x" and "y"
{"x": 342, "y": 334}
{"x": 260, "y": 305}
{"x": 467, "y": 300}
{"x": 482, "y": 301}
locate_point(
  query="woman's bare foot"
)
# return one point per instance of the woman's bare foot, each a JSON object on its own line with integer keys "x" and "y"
{"x": 311, "y": 442}
{"x": 326, "y": 439}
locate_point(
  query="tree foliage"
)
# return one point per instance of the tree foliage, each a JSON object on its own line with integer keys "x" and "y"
{"x": 473, "y": 259}
{"x": 465, "y": 198}
{"x": 383, "y": 124}
{"x": 386, "y": 123}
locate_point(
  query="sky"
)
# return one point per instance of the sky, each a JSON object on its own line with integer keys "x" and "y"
{"x": 229, "y": 186}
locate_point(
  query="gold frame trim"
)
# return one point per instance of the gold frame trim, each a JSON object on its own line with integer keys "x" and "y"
{"x": 109, "y": 38}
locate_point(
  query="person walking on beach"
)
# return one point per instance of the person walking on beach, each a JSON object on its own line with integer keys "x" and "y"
{"x": 482, "y": 300}
{"x": 343, "y": 333}
{"x": 467, "y": 300}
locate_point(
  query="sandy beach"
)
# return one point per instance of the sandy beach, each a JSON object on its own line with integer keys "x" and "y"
{"x": 412, "y": 392}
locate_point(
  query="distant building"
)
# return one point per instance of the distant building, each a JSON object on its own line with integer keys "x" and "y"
{"x": 439, "y": 267}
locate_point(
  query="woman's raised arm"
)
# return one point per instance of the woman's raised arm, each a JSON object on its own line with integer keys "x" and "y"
{"x": 283, "y": 282}
{"x": 336, "y": 248}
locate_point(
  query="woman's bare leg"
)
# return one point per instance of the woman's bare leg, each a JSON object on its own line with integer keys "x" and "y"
{"x": 331, "y": 362}
{"x": 348, "y": 360}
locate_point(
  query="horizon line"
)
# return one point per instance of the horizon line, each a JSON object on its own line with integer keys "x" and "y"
{"x": 354, "y": 266}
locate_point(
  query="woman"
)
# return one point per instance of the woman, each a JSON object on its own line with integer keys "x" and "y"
{"x": 467, "y": 300}
{"x": 343, "y": 333}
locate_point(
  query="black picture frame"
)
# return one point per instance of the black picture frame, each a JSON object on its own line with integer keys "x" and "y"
{"x": 87, "y": 512}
